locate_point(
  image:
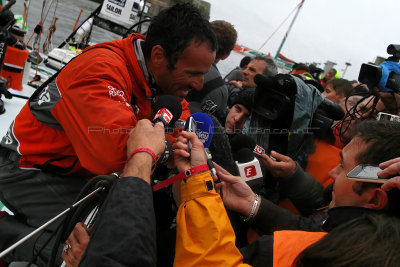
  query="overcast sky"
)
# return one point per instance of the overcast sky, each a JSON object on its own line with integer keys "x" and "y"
{"x": 354, "y": 31}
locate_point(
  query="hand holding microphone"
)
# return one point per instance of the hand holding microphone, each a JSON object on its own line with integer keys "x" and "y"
{"x": 168, "y": 110}
{"x": 243, "y": 141}
{"x": 185, "y": 160}
{"x": 283, "y": 167}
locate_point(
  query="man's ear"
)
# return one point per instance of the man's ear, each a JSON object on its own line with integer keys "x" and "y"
{"x": 157, "y": 56}
{"x": 378, "y": 199}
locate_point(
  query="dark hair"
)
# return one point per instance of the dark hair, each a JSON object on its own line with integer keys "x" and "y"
{"x": 300, "y": 66}
{"x": 226, "y": 37}
{"x": 382, "y": 138}
{"x": 383, "y": 143}
{"x": 341, "y": 86}
{"x": 369, "y": 240}
{"x": 270, "y": 68}
{"x": 175, "y": 28}
{"x": 244, "y": 62}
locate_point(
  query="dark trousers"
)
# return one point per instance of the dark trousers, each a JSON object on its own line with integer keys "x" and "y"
{"x": 34, "y": 197}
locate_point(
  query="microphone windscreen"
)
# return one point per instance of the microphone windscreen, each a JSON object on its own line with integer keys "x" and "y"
{"x": 333, "y": 110}
{"x": 244, "y": 155}
{"x": 265, "y": 82}
{"x": 242, "y": 141}
{"x": 205, "y": 128}
{"x": 170, "y": 102}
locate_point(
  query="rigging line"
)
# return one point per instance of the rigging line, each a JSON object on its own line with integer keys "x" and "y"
{"x": 280, "y": 25}
{"x": 51, "y": 30}
{"x": 48, "y": 10}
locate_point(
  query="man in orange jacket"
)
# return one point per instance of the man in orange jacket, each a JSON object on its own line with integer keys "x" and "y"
{"x": 55, "y": 144}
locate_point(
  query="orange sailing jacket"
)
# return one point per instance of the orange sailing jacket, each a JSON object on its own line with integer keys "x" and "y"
{"x": 204, "y": 235}
{"x": 88, "y": 112}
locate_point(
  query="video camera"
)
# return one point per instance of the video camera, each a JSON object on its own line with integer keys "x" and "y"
{"x": 386, "y": 76}
{"x": 273, "y": 95}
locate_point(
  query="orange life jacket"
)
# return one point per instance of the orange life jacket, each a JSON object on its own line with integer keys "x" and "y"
{"x": 289, "y": 244}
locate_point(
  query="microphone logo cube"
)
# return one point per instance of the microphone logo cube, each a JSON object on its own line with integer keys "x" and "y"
{"x": 259, "y": 150}
{"x": 164, "y": 115}
{"x": 250, "y": 171}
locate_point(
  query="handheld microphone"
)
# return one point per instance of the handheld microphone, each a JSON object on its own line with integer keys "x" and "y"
{"x": 205, "y": 131}
{"x": 190, "y": 126}
{"x": 248, "y": 166}
{"x": 169, "y": 110}
{"x": 332, "y": 110}
{"x": 243, "y": 141}
{"x": 205, "y": 128}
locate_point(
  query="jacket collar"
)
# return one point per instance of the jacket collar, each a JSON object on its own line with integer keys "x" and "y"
{"x": 340, "y": 215}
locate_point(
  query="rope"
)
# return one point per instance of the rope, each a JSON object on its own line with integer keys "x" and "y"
{"x": 280, "y": 25}
{"x": 47, "y": 42}
{"x": 51, "y": 30}
{"x": 77, "y": 20}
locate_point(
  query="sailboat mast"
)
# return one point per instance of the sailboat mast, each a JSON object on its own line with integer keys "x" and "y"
{"x": 290, "y": 27}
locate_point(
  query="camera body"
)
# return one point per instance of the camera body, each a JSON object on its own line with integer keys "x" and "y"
{"x": 385, "y": 76}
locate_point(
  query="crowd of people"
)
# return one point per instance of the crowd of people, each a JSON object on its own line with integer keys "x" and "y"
{"x": 94, "y": 118}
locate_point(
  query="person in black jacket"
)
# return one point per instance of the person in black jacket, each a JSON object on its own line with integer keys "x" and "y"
{"x": 135, "y": 231}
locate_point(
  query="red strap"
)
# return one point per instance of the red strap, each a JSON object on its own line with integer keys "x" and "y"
{"x": 181, "y": 176}
{"x": 143, "y": 149}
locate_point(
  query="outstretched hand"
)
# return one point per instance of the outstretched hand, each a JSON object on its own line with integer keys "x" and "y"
{"x": 237, "y": 195}
{"x": 283, "y": 167}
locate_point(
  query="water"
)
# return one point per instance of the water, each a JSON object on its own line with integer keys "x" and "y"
{"x": 67, "y": 11}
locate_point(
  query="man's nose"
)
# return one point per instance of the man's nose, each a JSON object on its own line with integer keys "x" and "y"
{"x": 333, "y": 172}
{"x": 197, "y": 83}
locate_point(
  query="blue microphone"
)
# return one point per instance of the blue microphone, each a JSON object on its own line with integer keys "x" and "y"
{"x": 205, "y": 131}
{"x": 205, "y": 128}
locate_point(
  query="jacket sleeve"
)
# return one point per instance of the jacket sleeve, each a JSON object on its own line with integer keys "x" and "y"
{"x": 306, "y": 193}
{"x": 204, "y": 233}
{"x": 124, "y": 232}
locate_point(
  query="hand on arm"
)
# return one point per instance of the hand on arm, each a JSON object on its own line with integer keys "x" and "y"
{"x": 283, "y": 167}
